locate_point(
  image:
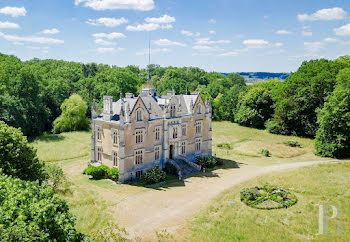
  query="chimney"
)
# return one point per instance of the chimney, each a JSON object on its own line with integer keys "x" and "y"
{"x": 129, "y": 95}
{"x": 107, "y": 108}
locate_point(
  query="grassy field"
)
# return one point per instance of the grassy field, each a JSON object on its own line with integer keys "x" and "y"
{"x": 92, "y": 202}
{"x": 228, "y": 219}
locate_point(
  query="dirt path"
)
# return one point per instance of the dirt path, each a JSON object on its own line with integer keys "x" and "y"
{"x": 154, "y": 210}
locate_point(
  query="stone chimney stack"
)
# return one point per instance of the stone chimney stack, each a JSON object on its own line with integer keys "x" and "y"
{"x": 107, "y": 108}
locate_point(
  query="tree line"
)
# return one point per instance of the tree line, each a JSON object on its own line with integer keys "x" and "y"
{"x": 311, "y": 102}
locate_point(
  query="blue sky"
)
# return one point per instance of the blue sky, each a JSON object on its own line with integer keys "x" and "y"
{"x": 220, "y": 35}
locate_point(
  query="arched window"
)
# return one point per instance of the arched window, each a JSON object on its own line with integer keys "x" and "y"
{"x": 172, "y": 110}
{"x": 199, "y": 109}
{"x": 139, "y": 115}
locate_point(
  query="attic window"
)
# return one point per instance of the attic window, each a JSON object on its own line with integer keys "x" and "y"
{"x": 199, "y": 109}
{"x": 139, "y": 115}
{"x": 172, "y": 110}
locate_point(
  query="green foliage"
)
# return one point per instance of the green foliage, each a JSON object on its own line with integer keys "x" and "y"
{"x": 153, "y": 175}
{"x": 73, "y": 115}
{"x": 224, "y": 146}
{"x": 17, "y": 158}
{"x": 170, "y": 169}
{"x": 111, "y": 232}
{"x": 266, "y": 153}
{"x": 292, "y": 143}
{"x": 30, "y": 212}
{"x": 207, "y": 161}
{"x": 56, "y": 176}
{"x": 333, "y": 136}
{"x": 102, "y": 172}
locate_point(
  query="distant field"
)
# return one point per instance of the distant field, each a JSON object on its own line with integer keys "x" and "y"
{"x": 227, "y": 219}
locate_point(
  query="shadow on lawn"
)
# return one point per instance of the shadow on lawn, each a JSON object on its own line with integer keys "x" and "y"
{"x": 173, "y": 181}
{"x": 49, "y": 138}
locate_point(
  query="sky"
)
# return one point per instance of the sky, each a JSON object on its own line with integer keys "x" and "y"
{"x": 220, "y": 35}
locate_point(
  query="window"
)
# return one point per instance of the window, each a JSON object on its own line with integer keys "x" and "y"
{"x": 172, "y": 110}
{"x": 99, "y": 154}
{"x": 139, "y": 174}
{"x": 198, "y": 144}
{"x": 115, "y": 137}
{"x": 199, "y": 109}
{"x": 99, "y": 133}
{"x": 198, "y": 127}
{"x": 174, "y": 132}
{"x": 183, "y": 147}
{"x": 138, "y": 157}
{"x": 157, "y": 133}
{"x": 157, "y": 153}
{"x": 115, "y": 158}
{"x": 183, "y": 129}
{"x": 139, "y": 115}
{"x": 139, "y": 136}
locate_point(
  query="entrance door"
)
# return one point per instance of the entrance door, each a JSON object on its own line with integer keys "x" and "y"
{"x": 171, "y": 152}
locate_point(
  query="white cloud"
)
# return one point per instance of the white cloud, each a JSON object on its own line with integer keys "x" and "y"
{"x": 256, "y": 43}
{"x": 212, "y": 21}
{"x": 13, "y": 11}
{"x": 231, "y": 53}
{"x": 282, "y": 31}
{"x": 326, "y": 14}
{"x": 313, "y": 46}
{"x": 206, "y": 48}
{"x": 306, "y": 33}
{"x": 165, "y": 19}
{"x": 8, "y": 25}
{"x": 140, "y": 5}
{"x": 103, "y": 42}
{"x": 104, "y": 50}
{"x": 148, "y": 27}
{"x": 156, "y": 50}
{"x": 166, "y": 42}
{"x": 50, "y": 31}
{"x": 108, "y": 22}
{"x": 32, "y": 39}
{"x": 212, "y": 32}
{"x": 343, "y": 30}
{"x": 189, "y": 33}
{"x": 207, "y": 41}
{"x": 110, "y": 36}
{"x": 330, "y": 40}
{"x": 279, "y": 44}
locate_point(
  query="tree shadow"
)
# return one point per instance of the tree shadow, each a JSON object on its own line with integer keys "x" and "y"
{"x": 50, "y": 138}
{"x": 170, "y": 181}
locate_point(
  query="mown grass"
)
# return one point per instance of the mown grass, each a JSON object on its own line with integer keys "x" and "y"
{"x": 228, "y": 219}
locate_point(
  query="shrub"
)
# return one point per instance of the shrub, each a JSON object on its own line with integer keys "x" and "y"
{"x": 102, "y": 172}
{"x": 292, "y": 143}
{"x": 17, "y": 158}
{"x": 266, "y": 153}
{"x": 153, "y": 175}
{"x": 207, "y": 161}
{"x": 224, "y": 146}
{"x": 56, "y": 176}
{"x": 33, "y": 212}
{"x": 170, "y": 169}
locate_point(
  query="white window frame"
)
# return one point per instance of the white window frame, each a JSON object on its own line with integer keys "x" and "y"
{"x": 99, "y": 154}
{"x": 183, "y": 147}
{"x": 198, "y": 145}
{"x": 139, "y": 133}
{"x": 157, "y": 153}
{"x": 157, "y": 133}
{"x": 198, "y": 126}
{"x": 172, "y": 110}
{"x": 175, "y": 133}
{"x": 183, "y": 129}
{"x": 139, "y": 112}
{"x": 99, "y": 133}
{"x": 139, "y": 157}
{"x": 115, "y": 158}
{"x": 199, "y": 109}
{"x": 115, "y": 136}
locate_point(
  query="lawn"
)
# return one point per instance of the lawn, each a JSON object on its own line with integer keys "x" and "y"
{"x": 93, "y": 202}
{"x": 228, "y": 219}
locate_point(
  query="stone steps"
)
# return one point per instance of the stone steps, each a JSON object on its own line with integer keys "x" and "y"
{"x": 186, "y": 169}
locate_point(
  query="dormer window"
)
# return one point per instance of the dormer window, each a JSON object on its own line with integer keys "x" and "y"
{"x": 139, "y": 115}
{"x": 172, "y": 110}
{"x": 199, "y": 109}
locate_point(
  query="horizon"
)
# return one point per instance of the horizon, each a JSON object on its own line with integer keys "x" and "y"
{"x": 221, "y": 36}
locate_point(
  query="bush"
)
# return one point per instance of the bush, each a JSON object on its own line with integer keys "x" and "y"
{"x": 56, "y": 176}
{"x": 153, "y": 175}
{"x": 170, "y": 169}
{"x": 292, "y": 143}
{"x": 207, "y": 161}
{"x": 17, "y": 158}
{"x": 30, "y": 212}
{"x": 224, "y": 146}
{"x": 266, "y": 152}
{"x": 102, "y": 172}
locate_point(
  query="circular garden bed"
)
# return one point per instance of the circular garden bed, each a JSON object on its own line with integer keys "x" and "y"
{"x": 267, "y": 197}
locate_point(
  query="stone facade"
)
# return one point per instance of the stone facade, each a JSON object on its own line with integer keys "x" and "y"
{"x": 136, "y": 133}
